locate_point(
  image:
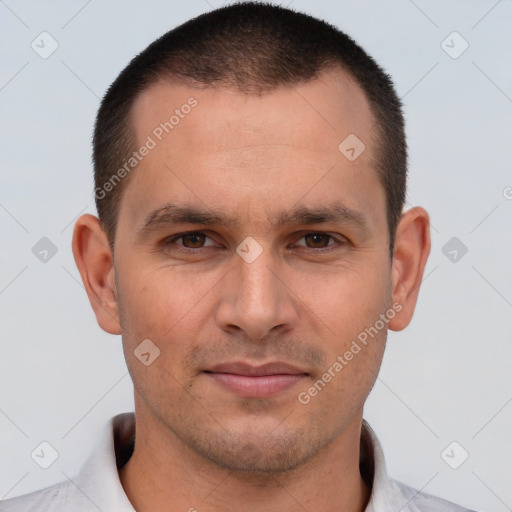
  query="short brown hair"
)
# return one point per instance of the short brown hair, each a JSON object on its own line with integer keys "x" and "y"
{"x": 252, "y": 47}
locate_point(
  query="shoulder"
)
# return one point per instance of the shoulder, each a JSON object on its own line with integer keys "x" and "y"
{"x": 412, "y": 500}
{"x": 59, "y": 497}
{"x": 97, "y": 485}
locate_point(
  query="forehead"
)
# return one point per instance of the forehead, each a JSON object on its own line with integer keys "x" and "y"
{"x": 258, "y": 148}
{"x": 329, "y": 107}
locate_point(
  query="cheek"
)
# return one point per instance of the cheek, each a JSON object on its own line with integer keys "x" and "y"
{"x": 166, "y": 306}
{"x": 158, "y": 306}
{"x": 349, "y": 306}
{"x": 154, "y": 301}
{"x": 348, "y": 300}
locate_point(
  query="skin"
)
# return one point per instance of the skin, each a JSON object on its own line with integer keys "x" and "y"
{"x": 302, "y": 301}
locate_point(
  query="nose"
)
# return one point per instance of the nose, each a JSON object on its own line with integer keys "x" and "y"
{"x": 256, "y": 299}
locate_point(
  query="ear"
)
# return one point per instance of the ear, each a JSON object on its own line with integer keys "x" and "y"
{"x": 94, "y": 260}
{"x": 412, "y": 247}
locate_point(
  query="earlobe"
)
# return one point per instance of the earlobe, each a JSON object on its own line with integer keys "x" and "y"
{"x": 94, "y": 260}
{"x": 412, "y": 247}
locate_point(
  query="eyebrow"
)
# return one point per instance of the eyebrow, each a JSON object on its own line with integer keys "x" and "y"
{"x": 172, "y": 213}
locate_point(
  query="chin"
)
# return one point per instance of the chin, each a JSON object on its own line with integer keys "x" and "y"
{"x": 265, "y": 452}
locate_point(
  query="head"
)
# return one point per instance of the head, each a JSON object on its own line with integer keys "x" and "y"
{"x": 278, "y": 142}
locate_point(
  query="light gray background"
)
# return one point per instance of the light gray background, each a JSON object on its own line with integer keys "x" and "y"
{"x": 447, "y": 377}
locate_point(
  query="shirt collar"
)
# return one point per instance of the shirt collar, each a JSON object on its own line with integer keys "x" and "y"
{"x": 373, "y": 469}
{"x": 99, "y": 478}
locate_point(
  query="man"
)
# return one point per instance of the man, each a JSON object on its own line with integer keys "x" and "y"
{"x": 251, "y": 249}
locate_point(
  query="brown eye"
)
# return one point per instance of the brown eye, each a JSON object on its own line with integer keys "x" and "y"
{"x": 191, "y": 243}
{"x": 317, "y": 240}
{"x": 193, "y": 240}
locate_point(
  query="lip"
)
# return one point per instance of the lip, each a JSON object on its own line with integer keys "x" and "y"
{"x": 252, "y": 381}
{"x": 249, "y": 370}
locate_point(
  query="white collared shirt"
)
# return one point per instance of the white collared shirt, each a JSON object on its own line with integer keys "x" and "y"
{"x": 98, "y": 488}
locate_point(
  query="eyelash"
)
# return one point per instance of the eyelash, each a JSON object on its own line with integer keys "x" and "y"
{"x": 187, "y": 250}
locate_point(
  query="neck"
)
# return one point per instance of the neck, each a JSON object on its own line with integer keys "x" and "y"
{"x": 164, "y": 474}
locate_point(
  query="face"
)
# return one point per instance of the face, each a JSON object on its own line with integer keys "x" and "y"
{"x": 253, "y": 253}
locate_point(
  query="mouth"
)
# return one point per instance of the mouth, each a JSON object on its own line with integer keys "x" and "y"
{"x": 251, "y": 381}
